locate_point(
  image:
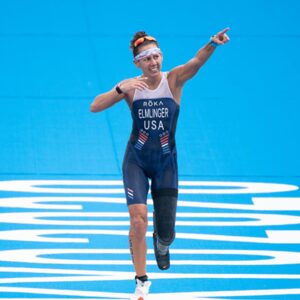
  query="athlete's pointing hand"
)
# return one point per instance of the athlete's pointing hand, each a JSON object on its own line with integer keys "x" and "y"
{"x": 221, "y": 37}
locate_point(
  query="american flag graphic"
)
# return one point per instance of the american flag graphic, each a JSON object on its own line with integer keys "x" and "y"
{"x": 142, "y": 139}
{"x": 164, "y": 141}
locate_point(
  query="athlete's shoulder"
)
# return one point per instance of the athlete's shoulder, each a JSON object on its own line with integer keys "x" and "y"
{"x": 171, "y": 76}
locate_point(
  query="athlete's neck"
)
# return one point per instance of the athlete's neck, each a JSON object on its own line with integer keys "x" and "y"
{"x": 153, "y": 81}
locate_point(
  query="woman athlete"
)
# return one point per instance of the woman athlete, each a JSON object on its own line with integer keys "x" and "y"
{"x": 154, "y": 100}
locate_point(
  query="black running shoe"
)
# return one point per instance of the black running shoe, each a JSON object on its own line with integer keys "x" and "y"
{"x": 163, "y": 261}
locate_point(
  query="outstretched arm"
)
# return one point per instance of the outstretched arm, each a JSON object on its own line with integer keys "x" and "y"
{"x": 187, "y": 71}
{"x": 108, "y": 99}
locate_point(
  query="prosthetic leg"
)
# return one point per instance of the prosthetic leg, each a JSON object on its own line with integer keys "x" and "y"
{"x": 164, "y": 217}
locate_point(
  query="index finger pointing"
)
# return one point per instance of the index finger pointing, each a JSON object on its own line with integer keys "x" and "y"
{"x": 224, "y": 31}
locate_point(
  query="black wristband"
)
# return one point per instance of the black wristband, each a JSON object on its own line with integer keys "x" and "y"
{"x": 119, "y": 91}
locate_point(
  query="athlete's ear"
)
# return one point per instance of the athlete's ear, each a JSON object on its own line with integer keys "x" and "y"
{"x": 137, "y": 64}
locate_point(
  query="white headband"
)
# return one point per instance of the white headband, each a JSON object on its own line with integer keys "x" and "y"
{"x": 146, "y": 53}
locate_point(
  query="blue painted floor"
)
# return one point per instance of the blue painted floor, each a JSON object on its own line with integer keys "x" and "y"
{"x": 63, "y": 217}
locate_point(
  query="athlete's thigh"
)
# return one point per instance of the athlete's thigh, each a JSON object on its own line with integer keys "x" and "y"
{"x": 136, "y": 183}
{"x": 166, "y": 176}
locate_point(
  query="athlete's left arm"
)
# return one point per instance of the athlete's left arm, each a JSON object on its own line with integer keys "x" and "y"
{"x": 187, "y": 71}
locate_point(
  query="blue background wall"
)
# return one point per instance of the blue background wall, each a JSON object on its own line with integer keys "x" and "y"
{"x": 239, "y": 115}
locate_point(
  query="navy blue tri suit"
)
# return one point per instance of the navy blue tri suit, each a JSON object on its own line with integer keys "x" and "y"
{"x": 151, "y": 154}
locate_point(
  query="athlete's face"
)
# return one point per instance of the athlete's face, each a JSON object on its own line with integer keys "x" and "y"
{"x": 150, "y": 65}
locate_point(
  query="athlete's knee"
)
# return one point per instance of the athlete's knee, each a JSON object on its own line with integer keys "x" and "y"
{"x": 138, "y": 224}
{"x": 165, "y": 216}
{"x": 138, "y": 227}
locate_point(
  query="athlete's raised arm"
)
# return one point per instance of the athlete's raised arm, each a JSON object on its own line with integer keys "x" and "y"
{"x": 185, "y": 72}
{"x": 117, "y": 93}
